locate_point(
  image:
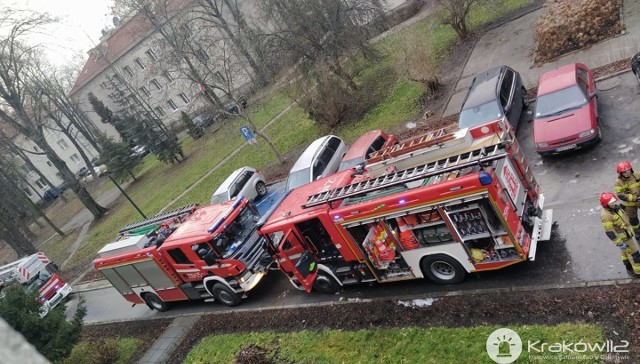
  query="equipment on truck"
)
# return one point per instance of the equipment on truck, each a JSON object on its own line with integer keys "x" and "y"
{"x": 191, "y": 253}
{"x": 439, "y": 206}
{"x": 37, "y": 272}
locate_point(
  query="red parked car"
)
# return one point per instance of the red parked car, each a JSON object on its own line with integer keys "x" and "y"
{"x": 566, "y": 115}
{"x": 364, "y": 146}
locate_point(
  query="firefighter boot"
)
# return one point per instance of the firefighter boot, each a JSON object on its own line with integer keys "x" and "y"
{"x": 634, "y": 260}
{"x": 627, "y": 265}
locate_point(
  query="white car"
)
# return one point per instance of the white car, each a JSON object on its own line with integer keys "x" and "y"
{"x": 243, "y": 182}
{"x": 321, "y": 158}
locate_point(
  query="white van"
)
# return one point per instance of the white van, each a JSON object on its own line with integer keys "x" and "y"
{"x": 321, "y": 158}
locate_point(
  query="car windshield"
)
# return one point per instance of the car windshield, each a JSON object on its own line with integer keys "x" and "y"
{"x": 350, "y": 163}
{"x": 220, "y": 197}
{"x": 298, "y": 178}
{"x": 39, "y": 280}
{"x": 559, "y": 101}
{"x": 479, "y": 115}
{"x": 236, "y": 232}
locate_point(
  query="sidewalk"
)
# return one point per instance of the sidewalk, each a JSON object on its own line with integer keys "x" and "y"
{"x": 512, "y": 43}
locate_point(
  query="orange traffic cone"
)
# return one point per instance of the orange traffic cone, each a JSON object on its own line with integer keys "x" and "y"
{"x": 407, "y": 239}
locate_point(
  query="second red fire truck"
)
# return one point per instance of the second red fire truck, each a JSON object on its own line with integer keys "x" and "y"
{"x": 192, "y": 253}
{"x": 440, "y": 206}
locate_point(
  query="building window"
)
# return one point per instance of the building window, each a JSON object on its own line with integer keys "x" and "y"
{"x": 167, "y": 75}
{"x": 186, "y": 31}
{"x": 62, "y": 144}
{"x": 128, "y": 70}
{"x": 160, "y": 111}
{"x": 202, "y": 55}
{"x": 49, "y": 164}
{"x": 41, "y": 183}
{"x": 184, "y": 98}
{"x": 156, "y": 84}
{"x": 35, "y": 147}
{"x": 151, "y": 55}
{"x": 145, "y": 91}
{"x": 117, "y": 78}
{"x": 172, "y": 105}
{"x": 28, "y": 192}
{"x": 75, "y": 159}
{"x": 140, "y": 64}
{"x": 219, "y": 76}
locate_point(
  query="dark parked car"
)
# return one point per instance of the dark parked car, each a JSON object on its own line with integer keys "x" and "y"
{"x": 82, "y": 172}
{"x": 494, "y": 94}
{"x": 232, "y": 107}
{"x": 635, "y": 66}
{"x": 203, "y": 120}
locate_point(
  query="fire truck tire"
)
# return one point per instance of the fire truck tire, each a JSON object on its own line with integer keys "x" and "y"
{"x": 443, "y": 269}
{"x": 261, "y": 189}
{"x": 325, "y": 284}
{"x": 226, "y": 295}
{"x": 154, "y": 302}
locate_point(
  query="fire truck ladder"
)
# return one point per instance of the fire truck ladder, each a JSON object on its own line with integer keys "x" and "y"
{"x": 158, "y": 218}
{"x": 430, "y": 138}
{"x": 439, "y": 167}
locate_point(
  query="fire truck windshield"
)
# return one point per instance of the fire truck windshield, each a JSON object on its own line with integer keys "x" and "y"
{"x": 236, "y": 232}
{"x": 39, "y": 280}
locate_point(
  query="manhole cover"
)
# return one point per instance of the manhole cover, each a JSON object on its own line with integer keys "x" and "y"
{"x": 608, "y": 84}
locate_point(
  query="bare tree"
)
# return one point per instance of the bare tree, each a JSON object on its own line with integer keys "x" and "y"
{"x": 323, "y": 31}
{"x": 17, "y": 104}
{"x": 457, "y": 11}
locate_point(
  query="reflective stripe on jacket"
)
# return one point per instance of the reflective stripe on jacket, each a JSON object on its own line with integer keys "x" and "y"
{"x": 617, "y": 223}
{"x": 628, "y": 189}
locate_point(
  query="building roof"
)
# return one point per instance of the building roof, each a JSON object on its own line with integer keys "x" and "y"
{"x": 122, "y": 40}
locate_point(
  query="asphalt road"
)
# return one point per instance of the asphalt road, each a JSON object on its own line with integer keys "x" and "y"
{"x": 578, "y": 251}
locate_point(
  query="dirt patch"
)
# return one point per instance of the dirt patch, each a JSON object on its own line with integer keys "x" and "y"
{"x": 615, "y": 308}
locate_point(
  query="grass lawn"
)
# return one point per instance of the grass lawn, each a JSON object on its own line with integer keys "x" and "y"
{"x": 397, "y": 101}
{"x": 405, "y": 345}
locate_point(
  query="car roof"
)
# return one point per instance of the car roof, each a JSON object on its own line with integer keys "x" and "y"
{"x": 359, "y": 148}
{"x": 304, "y": 161}
{"x": 484, "y": 87}
{"x": 557, "y": 79}
{"x": 227, "y": 182}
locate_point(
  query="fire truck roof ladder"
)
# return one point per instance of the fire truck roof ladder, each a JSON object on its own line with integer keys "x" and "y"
{"x": 445, "y": 165}
{"x": 158, "y": 218}
{"x": 431, "y": 138}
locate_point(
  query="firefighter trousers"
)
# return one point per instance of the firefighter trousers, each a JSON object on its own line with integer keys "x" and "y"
{"x": 630, "y": 256}
{"x": 632, "y": 214}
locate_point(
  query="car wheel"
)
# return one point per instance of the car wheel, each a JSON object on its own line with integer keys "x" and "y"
{"x": 442, "y": 269}
{"x": 225, "y": 295}
{"x": 525, "y": 99}
{"x": 324, "y": 283}
{"x": 637, "y": 73}
{"x": 599, "y": 134}
{"x": 154, "y": 302}
{"x": 261, "y": 188}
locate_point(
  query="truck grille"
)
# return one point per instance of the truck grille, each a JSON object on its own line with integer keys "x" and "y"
{"x": 253, "y": 253}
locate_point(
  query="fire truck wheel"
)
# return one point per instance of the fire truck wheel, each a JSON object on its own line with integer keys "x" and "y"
{"x": 325, "y": 284}
{"x": 443, "y": 269}
{"x": 225, "y": 295}
{"x": 261, "y": 189}
{"x": 155, "y": 303}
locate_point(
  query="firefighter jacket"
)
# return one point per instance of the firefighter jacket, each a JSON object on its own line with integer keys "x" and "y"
{"x": 628, "y": 189}
{"x": 616, "y": 225}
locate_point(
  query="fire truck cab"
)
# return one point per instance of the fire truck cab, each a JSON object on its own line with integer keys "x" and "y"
{"x": 37, "y": 273}
{"x": 211, "y": 253}
{"x": 438, "y": 206}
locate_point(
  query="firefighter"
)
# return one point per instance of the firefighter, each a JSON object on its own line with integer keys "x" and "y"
{"x": 628, "y": 191}
{"x": 618, "y": 229}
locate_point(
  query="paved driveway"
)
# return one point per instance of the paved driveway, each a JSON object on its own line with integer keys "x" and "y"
{"x": 512, "y": 44}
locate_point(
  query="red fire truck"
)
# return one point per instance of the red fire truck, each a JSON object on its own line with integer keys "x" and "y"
{"x": 37, "y": 272}
{"x": 211, "y": 253}
{"x": 439, "y": 206}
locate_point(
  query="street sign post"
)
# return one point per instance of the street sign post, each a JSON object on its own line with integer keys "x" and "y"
{"x": 248, "y": 135}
